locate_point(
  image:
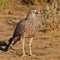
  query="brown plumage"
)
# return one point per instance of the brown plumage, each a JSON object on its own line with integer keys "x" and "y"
{"x": 27, "y": 27}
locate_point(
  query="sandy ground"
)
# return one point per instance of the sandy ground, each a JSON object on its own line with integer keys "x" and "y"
{"x": 46, "y": 46}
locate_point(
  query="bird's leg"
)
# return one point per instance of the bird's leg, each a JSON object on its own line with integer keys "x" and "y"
{"x": 30, "y": 44}
{"x": 23, "y": 42}
{"x": 23, "y": 46}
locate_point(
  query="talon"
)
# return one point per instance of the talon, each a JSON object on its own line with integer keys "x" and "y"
{"x": 23, "y": 55}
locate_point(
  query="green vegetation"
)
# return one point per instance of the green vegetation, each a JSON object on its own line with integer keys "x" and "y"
{"x": 36, "y": 58}
{"x": 28, "y": 1}
{"x": 40, "y": 1}
{"x": 5, "y": 3}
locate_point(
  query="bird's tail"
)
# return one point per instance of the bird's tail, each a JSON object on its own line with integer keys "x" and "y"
{"x": 8, "y": 45}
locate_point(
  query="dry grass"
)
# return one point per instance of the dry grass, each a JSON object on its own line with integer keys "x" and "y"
{"x": 46, "y": 44}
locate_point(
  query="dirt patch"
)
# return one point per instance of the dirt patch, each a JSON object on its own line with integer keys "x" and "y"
{"x": 46, "y": 44}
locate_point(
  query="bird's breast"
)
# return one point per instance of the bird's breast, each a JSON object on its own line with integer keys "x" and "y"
{"x": 31, "y": 28}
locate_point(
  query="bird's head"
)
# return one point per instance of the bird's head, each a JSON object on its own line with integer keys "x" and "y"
{"x": 33, "y": 13}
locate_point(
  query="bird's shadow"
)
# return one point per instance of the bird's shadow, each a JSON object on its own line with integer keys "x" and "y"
{"x": 2, "y": 45}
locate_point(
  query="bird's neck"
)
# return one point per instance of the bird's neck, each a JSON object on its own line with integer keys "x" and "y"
{"x": 32, "y": 16}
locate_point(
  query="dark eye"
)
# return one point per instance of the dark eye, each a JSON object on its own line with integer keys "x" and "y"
{"x": 36, "y": 12}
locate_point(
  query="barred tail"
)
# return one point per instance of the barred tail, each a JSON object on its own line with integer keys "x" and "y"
{"x": 8, "y": 45}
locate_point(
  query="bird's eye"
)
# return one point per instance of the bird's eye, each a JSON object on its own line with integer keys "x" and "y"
{"x": 36, "y": 12}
